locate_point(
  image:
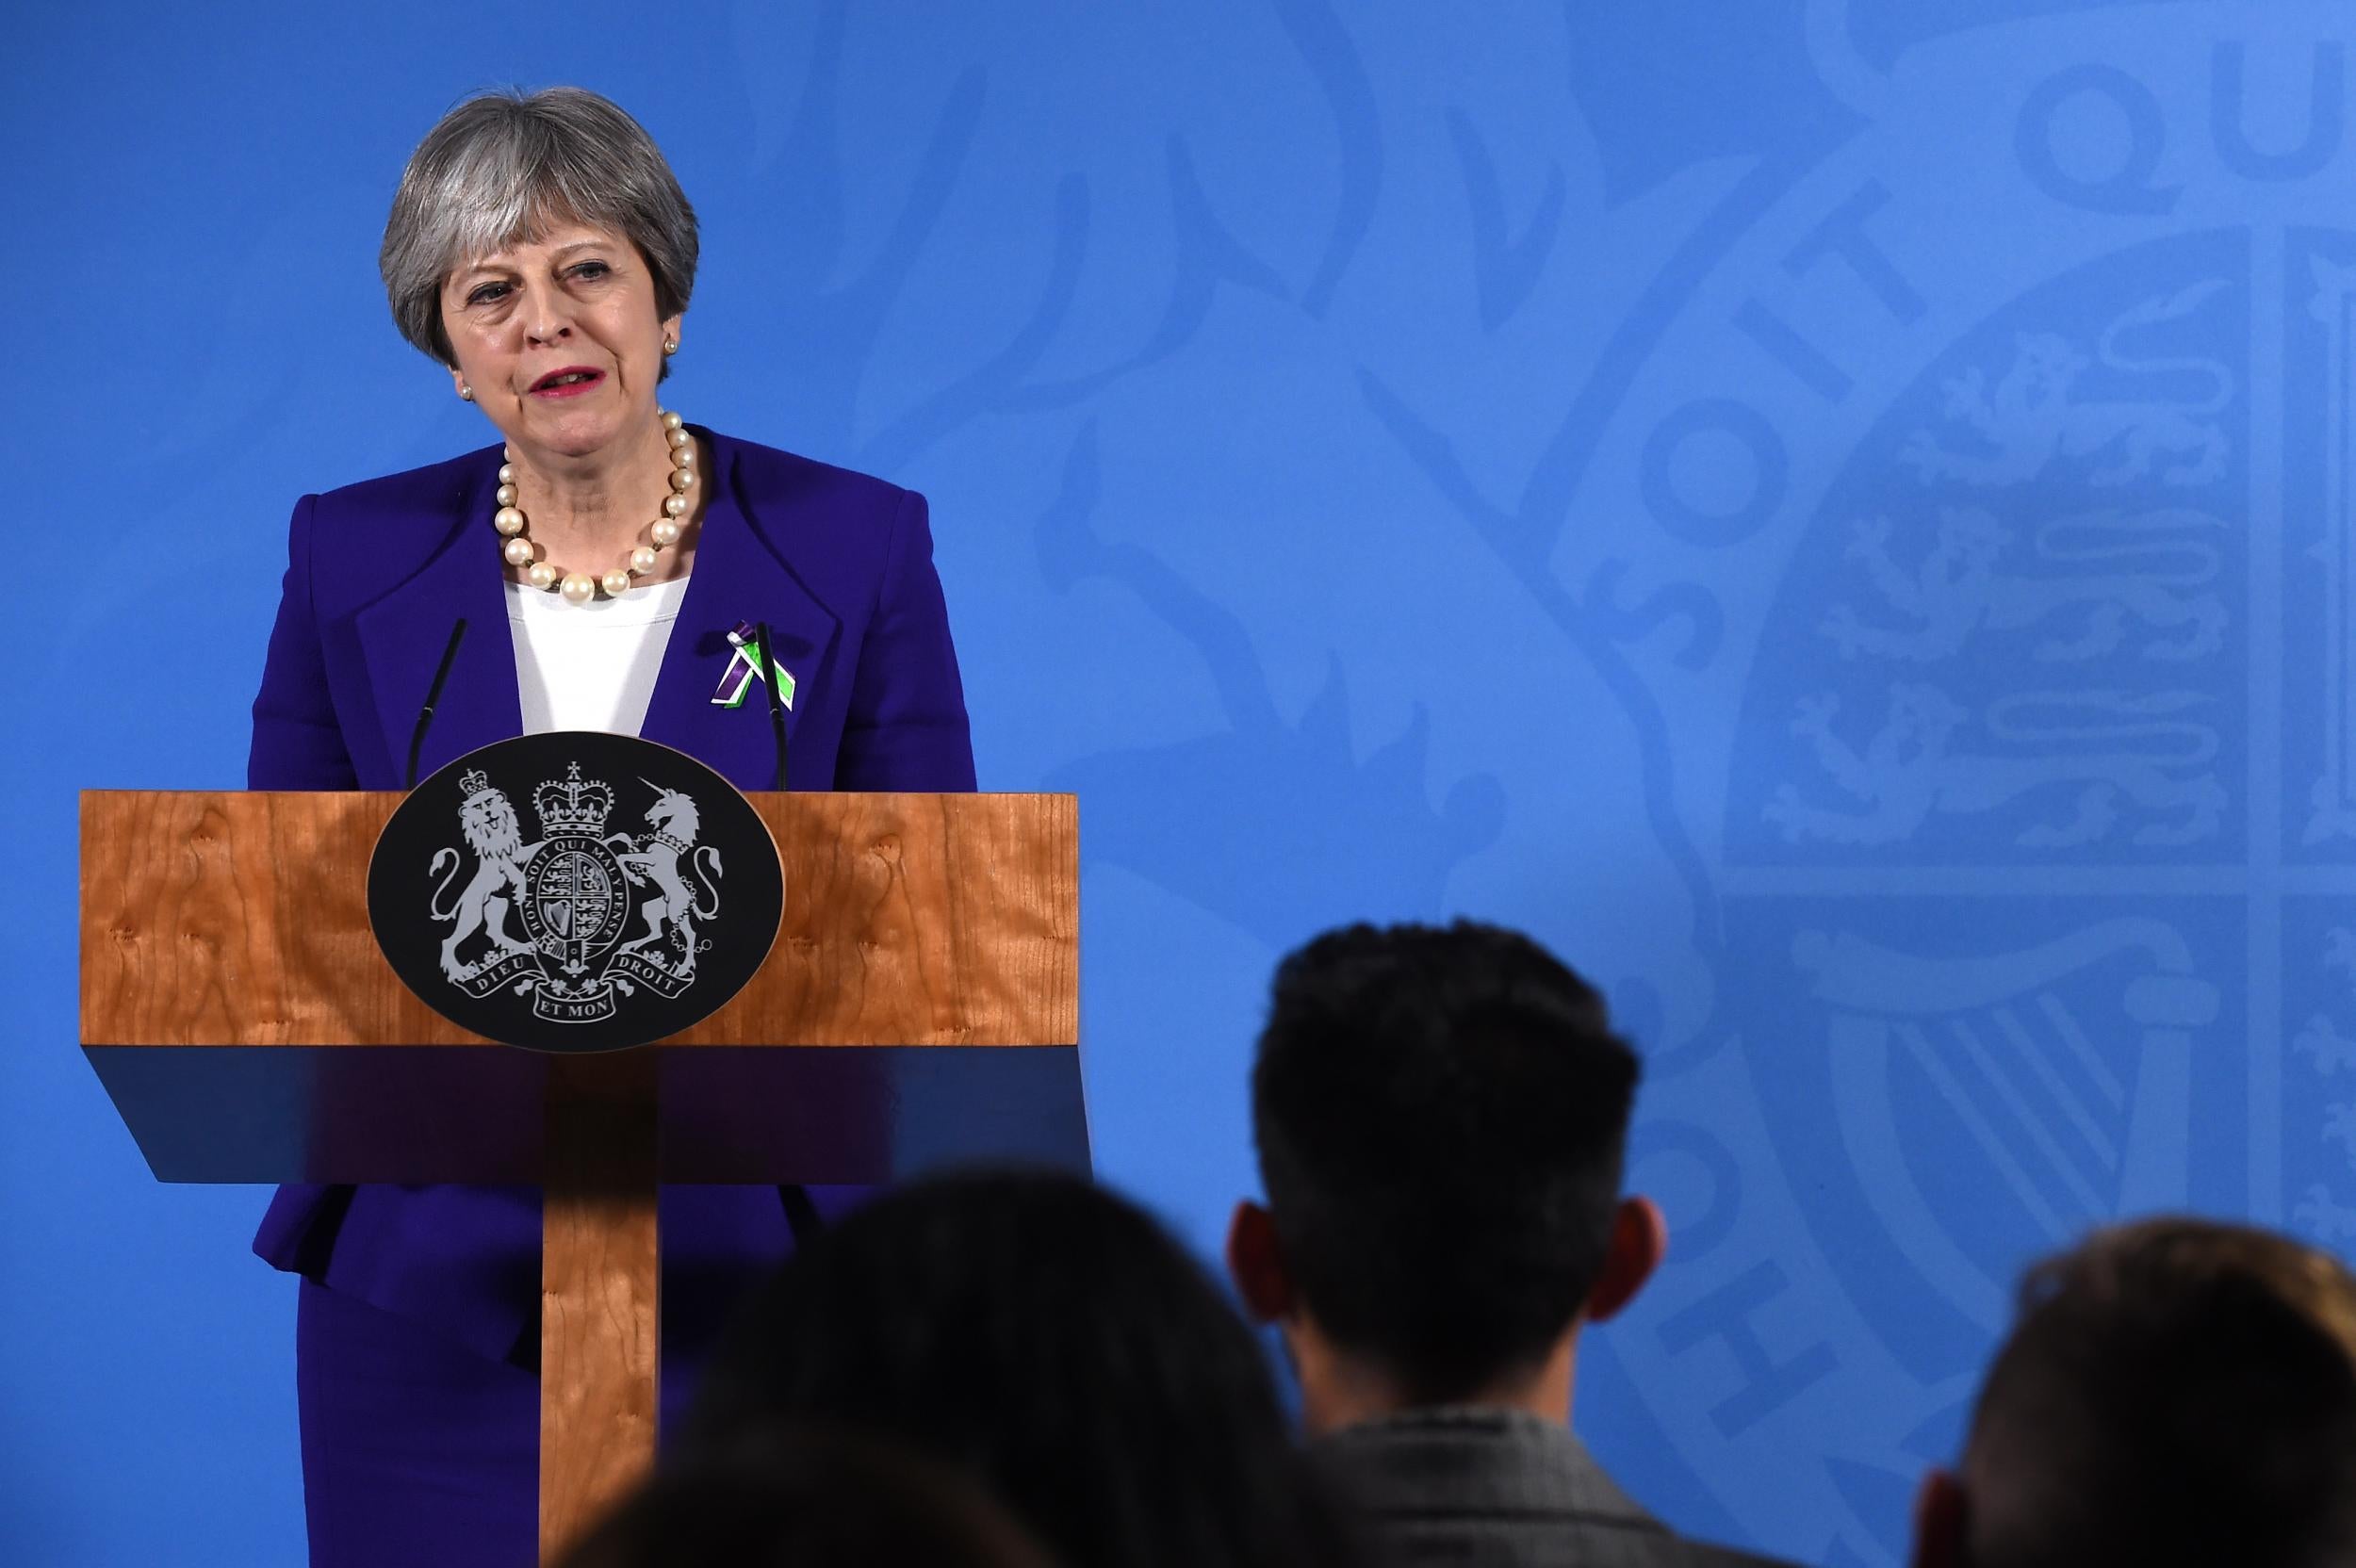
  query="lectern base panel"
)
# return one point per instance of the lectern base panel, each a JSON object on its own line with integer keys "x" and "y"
{"x": 447, "y": 1112}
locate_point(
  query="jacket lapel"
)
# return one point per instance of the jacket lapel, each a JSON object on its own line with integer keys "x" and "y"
{"x": 402, "y": 634}
{"x": 740, "y": 574}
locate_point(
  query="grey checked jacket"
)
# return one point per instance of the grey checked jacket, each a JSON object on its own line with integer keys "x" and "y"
{"x": 1496, "y": 1489}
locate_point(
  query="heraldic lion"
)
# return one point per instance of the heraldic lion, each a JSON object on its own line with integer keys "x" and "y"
{"x": 496, "y": 835}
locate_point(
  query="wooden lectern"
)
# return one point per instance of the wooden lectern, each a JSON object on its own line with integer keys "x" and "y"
{"x": 920, "y": 1005}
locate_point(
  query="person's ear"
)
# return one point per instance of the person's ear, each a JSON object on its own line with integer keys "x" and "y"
{"x": 458, "y": 384}
{"x": 1255, "y": 1262}
{"x": 671, "y": 338}
{"x": 1939, "y": 1521}
{"x": 1640, "y": 1238}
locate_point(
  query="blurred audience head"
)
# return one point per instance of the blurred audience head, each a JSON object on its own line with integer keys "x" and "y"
{"x": 807, "y": 1500}
{"x": 1442, "y": 1118}
{"x": 1049, "y": 1341}
{"x": 2175, "y": 1393}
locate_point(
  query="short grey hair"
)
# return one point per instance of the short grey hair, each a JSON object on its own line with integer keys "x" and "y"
{"x": 506, "y": 166}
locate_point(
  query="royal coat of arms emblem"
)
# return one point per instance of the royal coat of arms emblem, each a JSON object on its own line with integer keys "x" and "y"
{"x": 609, "y": 911}
{"x": 574, "y": 892}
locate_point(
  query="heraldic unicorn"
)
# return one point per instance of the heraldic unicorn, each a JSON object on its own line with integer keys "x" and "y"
{"x": 577, "y": 892}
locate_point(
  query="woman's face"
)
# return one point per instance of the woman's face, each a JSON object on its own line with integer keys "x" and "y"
{"x": 558, "y": 340}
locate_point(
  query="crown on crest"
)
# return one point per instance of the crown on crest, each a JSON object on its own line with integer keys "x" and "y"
{"x": 576, "y": 805}
{"x": 473, "y": 782}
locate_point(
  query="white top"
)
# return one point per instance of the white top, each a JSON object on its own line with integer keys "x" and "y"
{"x": 590, "y": 666}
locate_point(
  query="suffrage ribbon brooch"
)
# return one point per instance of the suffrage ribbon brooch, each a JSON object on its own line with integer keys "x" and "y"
{"x": 736, "y": 682}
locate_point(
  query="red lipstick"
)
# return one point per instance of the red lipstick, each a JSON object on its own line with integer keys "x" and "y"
{"x": 569, "y": 381}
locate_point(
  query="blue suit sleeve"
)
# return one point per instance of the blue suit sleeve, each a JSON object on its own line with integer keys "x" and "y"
{"x": 297, "y": 744}
{"x": 907, "y": 728}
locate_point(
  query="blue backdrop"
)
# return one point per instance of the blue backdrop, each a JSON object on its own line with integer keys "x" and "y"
{"x": 1836, "y": 515}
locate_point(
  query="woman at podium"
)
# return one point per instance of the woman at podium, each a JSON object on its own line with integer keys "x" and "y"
{"x": 601, "y": 550}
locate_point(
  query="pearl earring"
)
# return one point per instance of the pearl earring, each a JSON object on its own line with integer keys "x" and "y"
{"x": 465, "y": 393}
{"x": 670, "y": 345}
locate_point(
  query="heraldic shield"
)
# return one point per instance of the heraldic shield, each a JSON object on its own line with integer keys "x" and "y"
{"x": 631, "y": 894}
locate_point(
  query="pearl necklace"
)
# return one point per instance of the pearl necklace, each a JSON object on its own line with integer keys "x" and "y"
{"x": 580, "y": 587}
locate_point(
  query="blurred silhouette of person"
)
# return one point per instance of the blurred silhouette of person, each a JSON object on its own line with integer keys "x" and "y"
{"x": 1049, "y": 1341}
{"x": 807, "y": 1500}
{"x": 2175, "y": 1394}
{"x": 1441, "y": 1115}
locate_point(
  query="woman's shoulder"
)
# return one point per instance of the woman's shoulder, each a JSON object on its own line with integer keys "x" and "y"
{"x": 436, "y": 490}
{"x": 772, "y": 473}
{"x": 766, "y": 472}
{"x": 358, "y": 537}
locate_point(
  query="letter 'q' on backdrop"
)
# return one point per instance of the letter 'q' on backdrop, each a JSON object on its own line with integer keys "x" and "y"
{"x": 574, "y": 892}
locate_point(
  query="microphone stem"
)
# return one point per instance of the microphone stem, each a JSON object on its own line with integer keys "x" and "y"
{"x": 432, "y": 695}
{"x": 776, "y": 704}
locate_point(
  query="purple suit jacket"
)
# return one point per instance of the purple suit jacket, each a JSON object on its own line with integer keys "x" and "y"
{"x": 838, "y": 564}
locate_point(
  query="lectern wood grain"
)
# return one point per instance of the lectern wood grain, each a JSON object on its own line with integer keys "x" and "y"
{"x": 909, "y": 920}
{"x": 238, "y": 1010}
{"x": 599, "y": 1290}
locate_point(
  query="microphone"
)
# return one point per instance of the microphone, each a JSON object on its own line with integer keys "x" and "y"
{"x": 432, "y": 695}
{"x": 801, "y": 1214}
{"x": 777, "y": 707}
